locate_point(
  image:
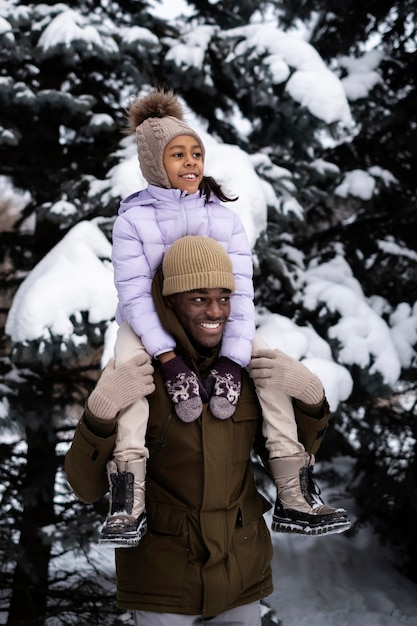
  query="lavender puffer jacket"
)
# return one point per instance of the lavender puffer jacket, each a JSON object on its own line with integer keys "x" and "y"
{"x": 149, "y": 221}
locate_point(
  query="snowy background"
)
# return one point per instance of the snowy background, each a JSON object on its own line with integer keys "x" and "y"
{"x": 76, "y": 275}
{"x": 341, "y": 580}
{"x": 84, "y": 281}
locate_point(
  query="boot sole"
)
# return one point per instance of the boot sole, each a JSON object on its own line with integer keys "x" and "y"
{"x": 288, "y": 526}
{"x": 127, "y": 539}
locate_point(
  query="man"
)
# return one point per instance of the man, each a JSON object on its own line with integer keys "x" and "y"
{"x": 206, "y": 555}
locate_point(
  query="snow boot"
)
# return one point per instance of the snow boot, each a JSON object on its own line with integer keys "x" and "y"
{"x": 299, "y": 508}
{"x": 126, "y": 521}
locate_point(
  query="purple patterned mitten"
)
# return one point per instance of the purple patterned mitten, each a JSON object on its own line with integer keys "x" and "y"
{"x": 183, "y": 388}
{"x": 226, "y": 390}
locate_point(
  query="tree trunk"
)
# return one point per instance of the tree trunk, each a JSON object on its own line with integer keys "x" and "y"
{"x": 30, "y": 583}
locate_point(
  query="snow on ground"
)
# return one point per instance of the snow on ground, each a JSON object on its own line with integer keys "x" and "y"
{"x": 339, "y": 580}
{"x": 347, "y": 579}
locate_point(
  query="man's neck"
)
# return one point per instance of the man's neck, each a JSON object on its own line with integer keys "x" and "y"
{"x": 204, "y": 351}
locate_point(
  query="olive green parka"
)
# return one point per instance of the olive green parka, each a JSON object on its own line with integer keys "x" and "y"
{"x": 207, "y": 548}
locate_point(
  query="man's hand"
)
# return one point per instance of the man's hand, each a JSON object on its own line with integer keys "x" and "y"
{"x": 274, "y": 368}
{"x": 119, "y": 387}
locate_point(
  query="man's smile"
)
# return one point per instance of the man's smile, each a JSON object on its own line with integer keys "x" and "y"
{"x": 210, "y": 325}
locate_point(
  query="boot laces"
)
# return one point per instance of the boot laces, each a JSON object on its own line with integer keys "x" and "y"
{"x": 313, "y": 488}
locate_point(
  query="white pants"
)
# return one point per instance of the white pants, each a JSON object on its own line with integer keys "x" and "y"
{"x": 279, "y": 426}
{"x": 247, "y": 615}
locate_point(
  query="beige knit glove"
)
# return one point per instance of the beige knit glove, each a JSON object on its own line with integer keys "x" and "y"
{"x": 118, "y": 387}
{"x": 270, "y": 368}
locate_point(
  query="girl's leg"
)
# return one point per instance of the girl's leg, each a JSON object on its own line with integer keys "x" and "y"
{"x": 279, "y": 426}
{"x": 298, "y": 508}
{"x": 126, "y": 520}
{"x": 132, "y": 422}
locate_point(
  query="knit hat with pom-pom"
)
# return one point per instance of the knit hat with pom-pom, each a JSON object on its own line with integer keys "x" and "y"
{"x": 157, "y": 119}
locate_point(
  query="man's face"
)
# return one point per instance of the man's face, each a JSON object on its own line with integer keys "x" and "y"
{"x": 203, "y": 313}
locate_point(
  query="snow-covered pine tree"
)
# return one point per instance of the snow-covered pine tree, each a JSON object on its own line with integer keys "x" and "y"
{"x": 67, "y": 73}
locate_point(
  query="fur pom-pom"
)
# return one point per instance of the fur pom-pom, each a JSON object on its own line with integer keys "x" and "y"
{"x": 159, "y": 103}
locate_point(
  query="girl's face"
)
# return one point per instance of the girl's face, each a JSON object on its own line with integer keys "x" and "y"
{"x": 183, "y": 163}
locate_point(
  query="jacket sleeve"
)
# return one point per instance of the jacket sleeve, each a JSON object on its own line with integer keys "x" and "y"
{"x": 85, "y": 462}
{"x": 240, "y": 330}
{"x": 133, "y": 277}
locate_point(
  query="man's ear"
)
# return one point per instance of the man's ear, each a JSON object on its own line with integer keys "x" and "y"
{"x": 169, "y": 302}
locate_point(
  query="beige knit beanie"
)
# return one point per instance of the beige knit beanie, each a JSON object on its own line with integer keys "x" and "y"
{"x": 156, "y": 119}
{"x": 196, "y": 263}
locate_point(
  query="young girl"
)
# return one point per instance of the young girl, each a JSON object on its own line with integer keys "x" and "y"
{"x": 180, "y": 200}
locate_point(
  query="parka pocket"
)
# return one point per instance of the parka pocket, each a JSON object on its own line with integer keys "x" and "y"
{"x": 252, "y": 544}
{"x": 246, "y": 421}
{"x": 163, "y": 518}
{"x": 155, "y": 570}
{"x": 252, "y": 507}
